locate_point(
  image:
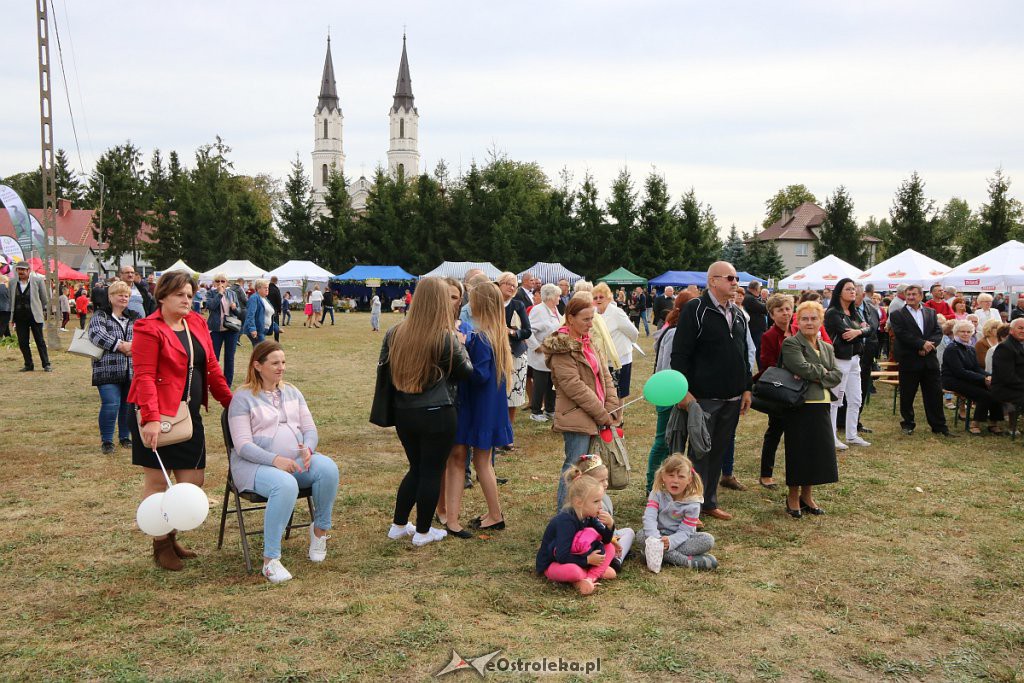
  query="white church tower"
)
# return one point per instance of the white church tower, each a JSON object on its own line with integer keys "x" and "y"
{"x": 328, "y": 153}
{"x": 403, "y": 153}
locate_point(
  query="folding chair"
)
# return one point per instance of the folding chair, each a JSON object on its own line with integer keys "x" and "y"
{"x": 1012, "y": 411}
{"x": 258, "y": 503}
{"x": 961, "y": 401}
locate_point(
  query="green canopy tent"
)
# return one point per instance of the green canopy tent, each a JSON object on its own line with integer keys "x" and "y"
{"x": 621, "y": 276}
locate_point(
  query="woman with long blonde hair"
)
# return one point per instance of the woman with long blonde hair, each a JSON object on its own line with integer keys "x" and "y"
{"x": 483, "y": 422}
{"x": 425, "y": 356}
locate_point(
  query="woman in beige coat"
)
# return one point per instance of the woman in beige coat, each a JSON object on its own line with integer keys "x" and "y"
{"x": 584, "y": 393}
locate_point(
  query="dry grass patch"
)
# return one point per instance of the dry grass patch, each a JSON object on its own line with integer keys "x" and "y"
{"x": 891, "y": 584}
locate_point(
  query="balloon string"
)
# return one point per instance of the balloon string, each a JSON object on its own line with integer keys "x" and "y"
{"x": 625, "y": 404}
{"x": 161, "y": 463}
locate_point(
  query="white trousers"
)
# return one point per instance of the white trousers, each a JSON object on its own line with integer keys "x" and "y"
{"x": 850, "y": 388}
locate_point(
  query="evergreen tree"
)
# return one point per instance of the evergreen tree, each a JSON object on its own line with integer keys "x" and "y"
{"x": 28, "y": 185}
{"x": 124, "y": 200}
{"x": 656, "y": 241}
{"x": 597, "y": 255}
{"x": 332, "y": 226}
{"x": 560, "y": 223}
{"x": 998, "y": 221}
{"x": 259, "y": 241}
{"x": 68, "y": 185}
{"x": 430, "y": 227}
{"x": 762, "y": 258}
{"x": 622, "y": 210}
{"x": 786, "y": 199}
{"x": 296, "y": 215}
{"x": 379, "y": 237}
{"x": 207, "y": 204}
{"x": 914, "y": 223}
{"x": 710, "y": 244}
{"x": 699, "y": 245}
{"x": 734, "y": 249}
{"x": 839, "y": 234}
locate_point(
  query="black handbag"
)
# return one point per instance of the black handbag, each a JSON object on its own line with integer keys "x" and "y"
{"x": 778, "y": 386}
{"x": 382, "y": 411}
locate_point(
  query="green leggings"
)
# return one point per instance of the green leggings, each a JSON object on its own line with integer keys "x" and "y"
{"x": 659, "y": 449}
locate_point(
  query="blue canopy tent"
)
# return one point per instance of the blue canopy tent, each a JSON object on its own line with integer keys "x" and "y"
{"x": 680, "y": 278}
{"x": 394, "y": 280}
{"x": 746, "y": 278}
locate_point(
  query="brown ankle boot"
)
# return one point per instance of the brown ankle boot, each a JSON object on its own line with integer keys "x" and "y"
{"x": 164, "y": 555}
{"x": 180, "y": 550}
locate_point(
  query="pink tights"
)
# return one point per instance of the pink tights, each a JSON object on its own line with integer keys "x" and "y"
{"x": 571, "y": 573}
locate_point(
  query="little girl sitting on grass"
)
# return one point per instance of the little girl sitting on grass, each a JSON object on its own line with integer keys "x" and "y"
{"x": 574, "y": 528}
{"x": 592, "y": 466}
{"x": 670, "y": 520}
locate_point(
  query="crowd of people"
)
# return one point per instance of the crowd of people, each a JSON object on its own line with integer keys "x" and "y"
{"x": 468, "y": 354}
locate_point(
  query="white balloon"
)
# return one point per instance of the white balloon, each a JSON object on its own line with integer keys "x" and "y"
{"x": 150, "y": 516}
{"x": 185, "y": 506}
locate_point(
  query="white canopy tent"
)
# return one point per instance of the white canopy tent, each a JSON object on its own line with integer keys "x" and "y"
{"x": 823, "y": 274}
{"x": 234, "y": 270}
{"x": 905, "y": 268}
{"x": 457, "y": 269}
{"x": 178, "y": 265}
{"x": 292, "y": 275}
{"x": 998, "y": 270}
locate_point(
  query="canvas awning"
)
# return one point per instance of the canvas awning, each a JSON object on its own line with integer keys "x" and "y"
{"x": 179, "y": 265}
{"x": 621, "y": 276}
{"x": 908, "y": 267}
{"x": 823, "y": 274}
{"x": 297, "y": 271}
{"x": 64, "y": 271}
{"x": 457, "y": 269}
{"x": 551, "y": 273}
{"x": 680, "y": 278}
{"x": 996, "y": 270}
{"x": 234, "y": 270}
{"x": 382, "y": 273}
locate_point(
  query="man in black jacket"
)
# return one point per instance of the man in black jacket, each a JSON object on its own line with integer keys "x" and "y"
{"x": 917, "y": 336}
{"x": 274, "y": 297}
{"x": 758, "y": 313}
{"x": 662, "y": 305}
{"x": 525, "y": 292}
{"x": 710, "y": 349}
{"x": 1008, "y": 366}
{"x": 869, "y": 314}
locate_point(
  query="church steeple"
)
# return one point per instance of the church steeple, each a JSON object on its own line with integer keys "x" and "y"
{"x": 328, "y": 88}
{"x": 403, "y": 88}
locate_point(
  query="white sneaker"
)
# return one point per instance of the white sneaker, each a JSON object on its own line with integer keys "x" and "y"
{"x": 275, "y": 571}
{"x": 538, "y": 417}
{"x": 857, "y": 441}
{"x": 654, "y": 551}
{"x": 432, "y": 535}
{"x": 397, "y": 532}
{"x": 317, "y": 546}
{"x": 840, "y": 446}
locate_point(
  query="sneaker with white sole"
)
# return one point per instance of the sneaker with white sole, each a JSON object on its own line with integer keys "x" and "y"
{"x": 858, "y": 441}
{"x": 433, "y": 534}
{"x": 275, "y": 571}
{"x": 840, "y": 446}
{"x": 654, "y": 552}
{"x": 397, "y": 532}
{"x": 538, "y": 417}
{"x": 551, "y": 415}
{"x": 317, "y": 546}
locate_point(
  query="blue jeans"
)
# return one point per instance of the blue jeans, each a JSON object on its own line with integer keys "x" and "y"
{"x": 730, "y": 459}
{"x": 643, "y": 316}
{"x": 281, "y": 489}
{"x": 229, "y": 340}
{"x": 575, "y": 445}
{"x": 114, "y": 408}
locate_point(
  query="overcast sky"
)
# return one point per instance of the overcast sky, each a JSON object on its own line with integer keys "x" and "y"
{"x": 736, "y": 99}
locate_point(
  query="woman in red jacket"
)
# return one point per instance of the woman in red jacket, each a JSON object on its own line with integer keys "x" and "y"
{"x": 172, "y": 354}
{"x": 780, "y": 310}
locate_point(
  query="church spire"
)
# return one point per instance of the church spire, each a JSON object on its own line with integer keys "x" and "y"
{"x": 328, "y": 88}
{"x": 403, "y": 89}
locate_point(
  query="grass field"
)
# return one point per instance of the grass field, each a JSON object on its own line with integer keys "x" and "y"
{"x": 893, "y": 583}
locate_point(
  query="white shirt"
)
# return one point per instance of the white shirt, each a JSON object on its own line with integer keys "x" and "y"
{"x": 316, "y": 296}
{"x": 918, "y": 315}
{"x": 622, "y": 332}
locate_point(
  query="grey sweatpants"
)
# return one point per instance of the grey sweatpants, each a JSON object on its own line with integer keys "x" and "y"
{"x": 701, "y": 542}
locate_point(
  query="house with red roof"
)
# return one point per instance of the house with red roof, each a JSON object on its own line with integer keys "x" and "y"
{"x": 796, "y": 233}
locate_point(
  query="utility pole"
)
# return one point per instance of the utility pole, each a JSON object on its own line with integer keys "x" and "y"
{"x": 48, "y": 173}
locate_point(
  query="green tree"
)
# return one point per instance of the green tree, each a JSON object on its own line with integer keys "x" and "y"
{"x": 699, "y": 244}
{"x": 380, "y": 236}
{"x": 331, "y": 227}
{"x": 430, "y": 226}
{"x": 998, "y": 221}
{"x": 598, "y": 255}
{"x": 839, "y": 234}
{"x": 296, "y": 214}
{"x": 622, "y": 209}
{"x": 124, "y": 200}
{"x": 915, "y": 224}
{"x": 786, "y": 199}
{"x": 657, "y": 239}
{"x": 762, "y": 258}
{"x": 28, "y": 185}
{"x": 68, "y": 185}
{"x": 734, "y": 249}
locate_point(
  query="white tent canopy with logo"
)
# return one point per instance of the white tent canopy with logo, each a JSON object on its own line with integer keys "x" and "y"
{"x": 905, "y": 268}
{"x": 997, "y": 270}
{"x": 234, "y": 270}
{"x": 457, "y": 269}
{"x": 823, "y": 274}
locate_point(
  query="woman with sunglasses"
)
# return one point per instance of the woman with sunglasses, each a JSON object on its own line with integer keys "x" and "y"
{"x": 221, "y": 302}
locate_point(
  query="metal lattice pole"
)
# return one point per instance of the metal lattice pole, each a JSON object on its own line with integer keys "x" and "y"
{"x": 48, "y": 174}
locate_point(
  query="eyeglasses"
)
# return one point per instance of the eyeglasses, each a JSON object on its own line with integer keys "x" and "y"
{"x": 730, "y": 278}
{"x": 220, "y": 280}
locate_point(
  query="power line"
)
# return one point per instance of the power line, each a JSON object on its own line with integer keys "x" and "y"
{"x": 67, "y": 93}
{"x": 78, "y": 85}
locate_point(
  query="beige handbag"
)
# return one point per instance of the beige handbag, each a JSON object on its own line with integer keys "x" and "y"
{"x": 82, "y": 346}
{"x": 178, "y": 427}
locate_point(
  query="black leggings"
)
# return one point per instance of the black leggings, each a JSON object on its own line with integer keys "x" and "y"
{"x": 427, "y": 435}
{"x": 543, "y": 393}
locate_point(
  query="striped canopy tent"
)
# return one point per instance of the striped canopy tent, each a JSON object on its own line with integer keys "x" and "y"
{"x": 457, "y": 269}
{"x": 551, "y": 272}
{"x": 621, "y": 276}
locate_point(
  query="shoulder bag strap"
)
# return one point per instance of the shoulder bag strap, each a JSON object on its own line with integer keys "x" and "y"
{"x": 191, "y": 360}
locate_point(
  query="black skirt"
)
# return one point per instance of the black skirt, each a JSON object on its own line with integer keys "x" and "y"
{"x": 810, "y": 446}
{"x": 187, "y": 455}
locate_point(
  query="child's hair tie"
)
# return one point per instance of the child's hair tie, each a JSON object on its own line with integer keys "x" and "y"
{"x": 588, "y": 462}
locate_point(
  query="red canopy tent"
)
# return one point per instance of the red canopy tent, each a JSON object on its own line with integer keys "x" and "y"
{"x": 64, "y": 271}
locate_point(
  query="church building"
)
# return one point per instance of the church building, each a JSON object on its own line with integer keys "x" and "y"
{"x": 328, "y": 147}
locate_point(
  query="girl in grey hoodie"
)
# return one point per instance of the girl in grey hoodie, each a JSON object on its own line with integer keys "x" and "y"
{"x": 671, "y": 517}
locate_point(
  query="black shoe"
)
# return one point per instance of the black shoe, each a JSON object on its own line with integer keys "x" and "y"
{"x": 108, "y": 448}
{"x": 795, "y": 514}
{"x": 126, "y": 443}
{"x": 461, "y": 533}
{"x": 804, "y": 507}
{"x": 26, "y": 369}
{"x": 866, "y": 430}
{"x": 501, "y": 480}
{"x": 497, "y": 526}
{"x": 948, "y": 434}
{"x": 47, "y": 368}
{"x": 616, "y": 565}
{"x": 468, "y": 484}
{"x": 909, "y": 431}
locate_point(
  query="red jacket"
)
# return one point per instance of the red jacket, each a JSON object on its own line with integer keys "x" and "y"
{"x": 161, "y": 367}
{"x": 771, "y": 347}
{"x": 940, "y": 307}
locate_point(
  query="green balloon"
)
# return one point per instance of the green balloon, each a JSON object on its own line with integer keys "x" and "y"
{"x": 666, "y": 388}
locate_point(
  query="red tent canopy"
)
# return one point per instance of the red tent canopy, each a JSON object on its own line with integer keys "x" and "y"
{"x": 64, "y": 271}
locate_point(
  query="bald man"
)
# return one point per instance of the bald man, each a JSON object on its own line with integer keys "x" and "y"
{"x": 1008, "y": 366}
{"x": 711, "y": 349}
{"x": 525, "y": 291}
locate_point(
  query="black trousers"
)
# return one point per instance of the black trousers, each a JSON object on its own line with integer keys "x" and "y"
{"x": 722, "y": 426}
{"x": 985, "y": 406}
{"x": 27, "y": 325}
{"x": 867, "y": 361}
{"x": 275, "y": 323}
{"x": 931, "y": 395}
{"x": 772, "y": 437}
{"x": 427, "y": 435}
{"x": 543, "y": 397}
{"x": 5, "y": 323}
